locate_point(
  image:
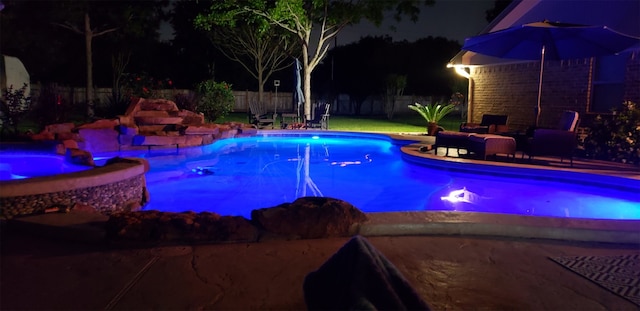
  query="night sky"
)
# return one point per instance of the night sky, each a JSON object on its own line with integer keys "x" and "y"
{"x": 452, "y": 19}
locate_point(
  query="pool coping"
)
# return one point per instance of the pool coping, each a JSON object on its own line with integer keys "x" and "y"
{"x": 90, "y": 227}
{"x": 502, "y": 225}
{"x": 610, "y": 178}
{"x": 96, "y": 176}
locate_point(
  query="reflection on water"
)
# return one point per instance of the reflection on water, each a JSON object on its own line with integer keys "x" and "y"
{"x": 234, "y": 176}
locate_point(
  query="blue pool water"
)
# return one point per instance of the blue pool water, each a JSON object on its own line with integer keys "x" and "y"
{"x": 20, "y": 165}
{"x": 235, "y": 176}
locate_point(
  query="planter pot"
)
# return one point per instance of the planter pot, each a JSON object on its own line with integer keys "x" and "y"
{"x": 432, "y": 128}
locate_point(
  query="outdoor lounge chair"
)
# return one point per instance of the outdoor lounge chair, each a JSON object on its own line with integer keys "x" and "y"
{"x": 490, "y": 124}
{"x": 259, "y": 116}
{"x": 560, "y": 142}
{"x": 320, "y": 118}
{"x": 451, "y": 139}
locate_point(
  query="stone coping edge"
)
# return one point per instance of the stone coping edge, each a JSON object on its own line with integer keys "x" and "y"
{"x": 526, "y": 232}
{"x": 395, "y": 139}
{"x": 89, "y": 227}
{"x": 98, "y": 176}
{"x": 499, "y": 225}
{"x": 586, "y": 177}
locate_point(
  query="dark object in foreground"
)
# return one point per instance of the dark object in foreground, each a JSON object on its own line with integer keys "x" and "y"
{"x": 359, "y": 277}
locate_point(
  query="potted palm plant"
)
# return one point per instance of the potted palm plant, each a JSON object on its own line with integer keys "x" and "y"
{"x": 432, "y": 113}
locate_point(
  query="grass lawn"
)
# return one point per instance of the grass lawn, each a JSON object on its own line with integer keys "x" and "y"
{"x": 400, "y": 123}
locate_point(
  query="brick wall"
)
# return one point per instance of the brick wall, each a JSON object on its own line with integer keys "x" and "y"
{"x": 512, "y": 89}
{"x": 632, "y": 78}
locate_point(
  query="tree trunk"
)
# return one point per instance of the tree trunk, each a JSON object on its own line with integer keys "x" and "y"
{"x": 261, "y": 81}
{"x": 260, "y": 90}
{"x": 306, "y": 79}
{"x": 88, "y": 35}
{"x": 307, "y": 93}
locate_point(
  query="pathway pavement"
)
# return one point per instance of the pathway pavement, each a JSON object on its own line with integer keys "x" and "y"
{"x": 39, "y": 270}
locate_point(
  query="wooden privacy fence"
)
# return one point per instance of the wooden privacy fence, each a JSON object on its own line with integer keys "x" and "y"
{"x": 280, "y": 102}
{"x": 76, "y": 96}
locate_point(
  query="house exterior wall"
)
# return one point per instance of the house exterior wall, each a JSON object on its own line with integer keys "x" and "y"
{"x": 632, "y": 78}
{"x": 512, "y": 89}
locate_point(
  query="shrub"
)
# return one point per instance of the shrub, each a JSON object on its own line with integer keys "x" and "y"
{"x": 215, "y": 99}
{"x": 50, "y": 106}
{"x": 143, "y": 85}
{"x": 13, "y": 106}
{"x": 187, "y": 101}
{"x": 117, "y": 103}
{"x": 616, "y": 137}
{"x": 432, "y": 113}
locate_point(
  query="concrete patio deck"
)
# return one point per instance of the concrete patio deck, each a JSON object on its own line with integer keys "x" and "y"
{"x": 449, "y": 272}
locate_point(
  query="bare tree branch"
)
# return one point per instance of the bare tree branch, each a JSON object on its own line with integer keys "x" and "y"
{"x": 68, "y": 26}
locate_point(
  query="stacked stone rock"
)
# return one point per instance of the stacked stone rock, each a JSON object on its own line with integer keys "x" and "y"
{"x": 159, "y": 122}
{"x": 124, "y": 195}
{"x": 305, "y": 218}
{"x": 147, "y": 123}
{"x": 119, "y": 185}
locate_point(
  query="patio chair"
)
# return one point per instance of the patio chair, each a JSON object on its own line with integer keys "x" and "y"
{"x": 490, "y": 124}
{"x": 560, "y": 141}
{"x": 259, "y": 116}
{"x": 320, "y": 118}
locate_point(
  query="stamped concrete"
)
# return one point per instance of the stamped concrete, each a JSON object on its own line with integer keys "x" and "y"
{"x": 61, "y": 261}
{"x": 449, "y": 272}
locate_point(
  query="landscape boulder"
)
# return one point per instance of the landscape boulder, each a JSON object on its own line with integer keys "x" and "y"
{"x": 60, "y": 128}
{"x": 162, "y": 227}
{"x": 79, "y": 157}
{"x": 310, "y": 218}
{"x": 98, "y": 140}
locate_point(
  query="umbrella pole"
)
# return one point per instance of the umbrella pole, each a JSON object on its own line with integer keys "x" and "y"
{"x": 540, "y": 86}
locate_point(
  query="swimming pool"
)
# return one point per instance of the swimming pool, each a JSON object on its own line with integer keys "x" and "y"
{"x": 23, "y": 164}
{"x": 235, "y": 176}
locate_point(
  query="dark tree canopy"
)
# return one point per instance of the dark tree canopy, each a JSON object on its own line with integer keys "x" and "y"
{"x": 31, "y": 31}
{"x": 360, "y": 69}
{"x": 498, "y": 7}
{"x": 54, "y": 54}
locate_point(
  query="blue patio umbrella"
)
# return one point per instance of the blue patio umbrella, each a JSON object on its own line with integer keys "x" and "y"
{"x": 550, "y": 41}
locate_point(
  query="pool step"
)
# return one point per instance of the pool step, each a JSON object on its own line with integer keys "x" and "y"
{"x": 155, "y": 140}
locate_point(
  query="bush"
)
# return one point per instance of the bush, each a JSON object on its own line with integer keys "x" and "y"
{"x": 186, "y": 101}
{"x": 215, "y": 99}
{"x": 13, "y": 106}
{"x": 50, "y": 106}
{"x": 616, "y": 137}
{"x": 117, "y": 104}
{"x": 144, "y": 86}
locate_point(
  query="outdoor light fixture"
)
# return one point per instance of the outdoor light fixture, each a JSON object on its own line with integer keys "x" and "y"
{"x": 460, "y": 69}
{"x": 462, "y": 195}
